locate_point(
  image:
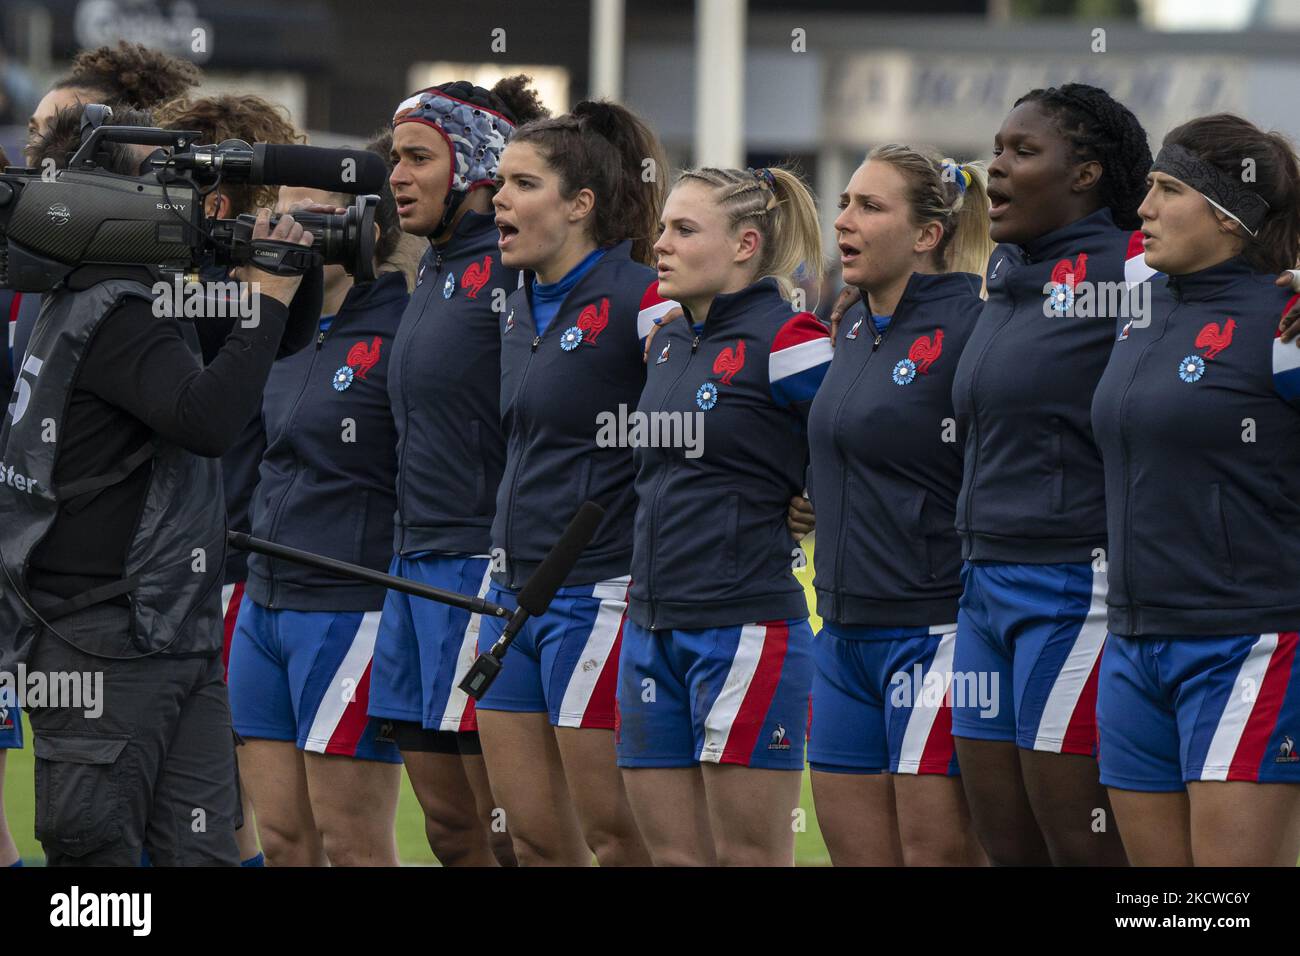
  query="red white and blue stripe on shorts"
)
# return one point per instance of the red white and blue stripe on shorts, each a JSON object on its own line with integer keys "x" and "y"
{"x": 1238, "y": 742}
{"x": 738, "y": 714}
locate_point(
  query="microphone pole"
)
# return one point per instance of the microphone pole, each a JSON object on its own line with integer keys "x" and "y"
{"x": 536, "y": 595}
{"x": 471, "y": 603}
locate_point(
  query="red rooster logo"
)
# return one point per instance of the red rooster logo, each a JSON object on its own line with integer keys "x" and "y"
{"x": 1214, "y": 339}
{"x": 924, "y": 351}
{"x": 475, "y": 276}
{"x": 730, "y": 361}
{"x": 364, "y": 356}
{"x": 1070, "y": 274}
{"x": 592, "y": 322}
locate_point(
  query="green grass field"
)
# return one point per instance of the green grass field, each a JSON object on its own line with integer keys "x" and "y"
{"x": 810, "y": 850}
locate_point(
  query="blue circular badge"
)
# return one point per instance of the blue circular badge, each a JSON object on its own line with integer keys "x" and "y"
{"x": 706, "y": 396}
{"x": 449, "y": 286}
{"x": 343, "y": 378}
{"x": 1061, "y": 297}
{"x": 571, "y": 338}
{"x": 904, "y": 372}
{"x": 1191, "y": 368}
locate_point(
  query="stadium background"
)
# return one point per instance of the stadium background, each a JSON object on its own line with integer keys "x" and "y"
{"x": 724, "y": 82}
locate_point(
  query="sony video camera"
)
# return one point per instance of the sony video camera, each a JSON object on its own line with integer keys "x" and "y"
{"x": 81, "y": 225}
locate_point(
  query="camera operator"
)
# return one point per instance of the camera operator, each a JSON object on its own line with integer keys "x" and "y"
{"x": 112, "y": 523}
{"x": 253, "y": 120}
{"x": 11, "y": 728}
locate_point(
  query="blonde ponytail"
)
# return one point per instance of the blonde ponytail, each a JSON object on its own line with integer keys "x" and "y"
{"x": 776, "y": 202}
{"x": 953, "y": 194}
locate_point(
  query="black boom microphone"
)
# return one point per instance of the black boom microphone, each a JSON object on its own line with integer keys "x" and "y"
{"x": 353, "y": 171}
{"x": 333, "y": 170}
{"x": 536, "y": 595}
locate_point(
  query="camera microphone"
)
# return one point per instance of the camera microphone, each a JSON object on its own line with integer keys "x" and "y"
{"x": 536, "y": 595}
{"x": 354, "y": 171}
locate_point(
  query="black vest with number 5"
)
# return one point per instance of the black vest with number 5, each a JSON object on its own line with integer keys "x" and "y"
{"x": 174, "y": 563}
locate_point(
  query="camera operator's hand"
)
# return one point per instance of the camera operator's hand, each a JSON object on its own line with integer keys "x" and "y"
{"x": 305, "y": 205}
{"x": 280, "y": 288}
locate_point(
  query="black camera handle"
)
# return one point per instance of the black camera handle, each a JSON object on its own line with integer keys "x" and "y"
{"x": 283, "y": 258}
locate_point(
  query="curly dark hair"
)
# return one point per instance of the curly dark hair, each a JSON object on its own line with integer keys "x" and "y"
{"x": 233, "y": 116}
{"x": 63, "y": 137}
{"x": 520, "y": 98}
{"x": 132, "y": 75}
{"x": 1099, "y": 127}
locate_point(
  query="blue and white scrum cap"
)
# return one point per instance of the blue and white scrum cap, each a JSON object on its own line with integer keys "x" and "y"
{"x": 475, "y": 123}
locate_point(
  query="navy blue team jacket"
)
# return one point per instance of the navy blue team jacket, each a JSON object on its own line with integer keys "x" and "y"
{"x": 554, "y": 389}
{"x": 712, "y": 545}
{"x": 1032, "y": 490}
{"x": 328, "y": 477}
{"x": 886, "y": 463}
{"x": 1201, "y": 442}
{"x": 444, "y": 383}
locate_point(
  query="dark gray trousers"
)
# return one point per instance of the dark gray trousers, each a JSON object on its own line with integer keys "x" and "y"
{"x": 155, "y": 770}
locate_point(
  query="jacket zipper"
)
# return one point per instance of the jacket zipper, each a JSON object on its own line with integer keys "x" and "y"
{"x": 974, "y": 412}
{"x": 522, "y": 449}
{"x": 837, "y": 584}
{"x": 401, "y": 465}
{"x": 654, "y": 505}
{"x": 1124, "y": 447}
{"x": 288, "y": 425}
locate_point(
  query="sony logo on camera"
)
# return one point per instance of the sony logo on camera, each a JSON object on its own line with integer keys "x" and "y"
{"x": 179, "y": 206}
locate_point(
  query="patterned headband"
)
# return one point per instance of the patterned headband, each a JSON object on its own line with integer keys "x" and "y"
{"x": 1221, "y": 191}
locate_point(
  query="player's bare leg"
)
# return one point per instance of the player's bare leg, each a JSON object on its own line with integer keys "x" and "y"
{"x": 596, "y": 788}
{"x": 527, "y": 774}
{"x": 752, "y": 813}
{"x": 489, "y": 809}
{"x": 246, "y": 836}
{"x": 354, "y": 803}
{"x": 456, "y": 829}
{"x": 672, "y": 814}
{"x": 1072, "y": 809}
{"x": 857, "y": 817}
{"x": 1242, "y": 823}
{"x": 999, "y": 806}
{"x": 8, "y": 850}
{"x": 1155, "y": 827}
{"x": 934, "y": 822}
{"x": 276, "y": 779}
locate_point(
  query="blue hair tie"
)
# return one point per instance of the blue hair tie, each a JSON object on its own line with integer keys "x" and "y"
{"x": 961, "y": 176}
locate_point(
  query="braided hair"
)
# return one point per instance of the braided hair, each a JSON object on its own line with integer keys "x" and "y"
{"x": 776, "y": 202}
{"x": 1099, "y": 127}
